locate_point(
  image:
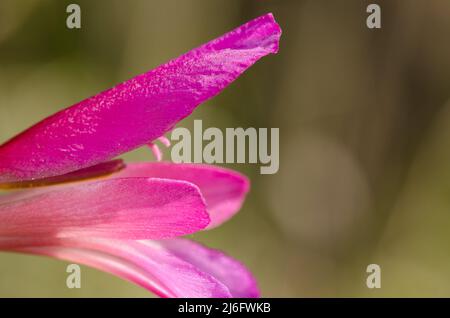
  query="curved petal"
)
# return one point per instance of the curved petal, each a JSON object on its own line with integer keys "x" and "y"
{"x": 137, "y": 111}
{"x": 127, "y": 208}
{"x": 145, "y": 263}
{"x": 224, "y": 190}
{"x": 231, "y": 273}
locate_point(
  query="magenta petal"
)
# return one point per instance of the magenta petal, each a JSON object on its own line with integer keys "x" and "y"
{"x": 231, "y": 273}
{"x": 224, "y": 190}
{"x": 130, "y": 208}
{"x": 146, "y": 263}
{"x": 137, "y": 111}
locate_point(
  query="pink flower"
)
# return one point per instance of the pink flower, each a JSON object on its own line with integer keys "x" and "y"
{"x": 129, "y": 222}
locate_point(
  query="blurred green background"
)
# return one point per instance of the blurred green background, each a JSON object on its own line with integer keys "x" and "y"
{"x": 364, "y": 118}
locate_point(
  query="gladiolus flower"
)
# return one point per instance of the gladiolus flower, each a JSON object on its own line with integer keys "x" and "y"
{"x": 73, "y": 202}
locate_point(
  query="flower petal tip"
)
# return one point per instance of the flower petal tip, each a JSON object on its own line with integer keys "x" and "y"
{"x": 193, "y": 207}
{"x": 270, "y": 31}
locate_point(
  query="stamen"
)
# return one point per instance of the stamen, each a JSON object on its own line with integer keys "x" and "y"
{"x": 164, "y": 141}
{"x": 156, "y": 151}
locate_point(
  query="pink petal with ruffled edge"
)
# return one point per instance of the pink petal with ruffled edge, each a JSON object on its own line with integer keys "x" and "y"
{"x": 128, "y": 208}
{"x": 224, "y": 190}
{"x": 169, "y": 268}
{"x": 137, "y": 111}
